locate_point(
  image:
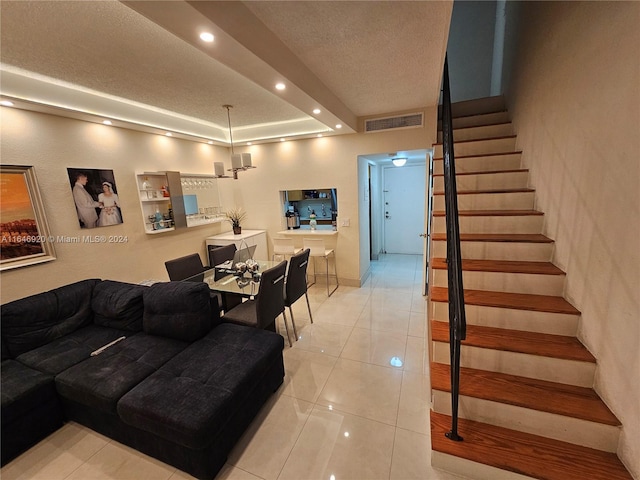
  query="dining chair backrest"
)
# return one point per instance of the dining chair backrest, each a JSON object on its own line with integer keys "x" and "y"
{"x": 184, "y": 267}
{"x": 270, "y": 298}
{"x": 315, "y": 245}
{"x": 221, "y": 254}
{"x": 296, "y": 284}
{"x": 283, "y": 246}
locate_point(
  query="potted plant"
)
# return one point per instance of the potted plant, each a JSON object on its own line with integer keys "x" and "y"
{"x": 234, "y": 217}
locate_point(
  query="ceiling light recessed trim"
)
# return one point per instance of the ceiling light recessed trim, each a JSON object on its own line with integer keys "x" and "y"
{"x": 316, "y": 111}
{"x": 280, "y": 86}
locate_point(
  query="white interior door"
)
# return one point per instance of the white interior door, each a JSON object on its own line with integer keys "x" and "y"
{"x": 404, "y": 209}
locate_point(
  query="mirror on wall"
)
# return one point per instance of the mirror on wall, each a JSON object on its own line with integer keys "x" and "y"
{"x": 201, "y": 199}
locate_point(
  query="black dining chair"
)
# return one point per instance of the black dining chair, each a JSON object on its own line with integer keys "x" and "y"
{"x": 263, "y": 311}
{"x": 296, "y": 284}
{"x": 216, "y": 257}
{"x": 184, "y": 267}
{"x": 188, "y": 266}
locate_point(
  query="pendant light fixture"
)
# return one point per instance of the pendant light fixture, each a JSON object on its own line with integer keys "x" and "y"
{"x": 239, "y": 161}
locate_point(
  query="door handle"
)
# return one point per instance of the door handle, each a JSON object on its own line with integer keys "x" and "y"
{"x": 423, "y": 235}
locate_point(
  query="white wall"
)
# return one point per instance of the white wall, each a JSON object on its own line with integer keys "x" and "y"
{"x": 576, "y": 108}
{"x": 52, "y": 144}
{"x": 470, "y": 49}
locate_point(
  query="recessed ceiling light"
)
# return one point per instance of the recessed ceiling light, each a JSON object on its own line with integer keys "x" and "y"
{"x": 6, "y": 103}
{"x": 206, "y": 37}
{"x": 316, "y": 111}
{"x": 319, "y": 135}
{"x": 399, "y": 162}
{"x": 107, "y": 122}
{"x": 282, "y": 139}
{"x": 249, "y": 143}
{"x": 339, "y": 125}
{"x": 280, "y": 86}
{"x": 169, "y": 134}
{"x": 210, "y": 142}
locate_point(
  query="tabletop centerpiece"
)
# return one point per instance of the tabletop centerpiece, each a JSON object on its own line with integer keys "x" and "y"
{"x": 235, "y": 217}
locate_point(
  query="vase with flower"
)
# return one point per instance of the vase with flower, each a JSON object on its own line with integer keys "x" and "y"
{"x": 235, "y": 217}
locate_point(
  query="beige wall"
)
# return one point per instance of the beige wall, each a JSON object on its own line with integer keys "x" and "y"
{"x": 575, "y": 103}
{"x": 52, "y": 144}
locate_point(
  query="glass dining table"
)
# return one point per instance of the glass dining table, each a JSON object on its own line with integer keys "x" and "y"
{"x": 224, "y": 280}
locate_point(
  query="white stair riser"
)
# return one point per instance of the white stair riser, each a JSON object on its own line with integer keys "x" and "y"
{"x": 534, "y": 284}
{"x": 526, "y": 320}
{"x": 486, "y": 181}
{"x": 479, "y": 147}
{"x": 478, "y": 120}
{"x": 489, "y": 163}
{"x": 490, "y": 201}
{"x": 528, "y": 252}
{"x": 566, "y": 429}
{"x": 479, "y": 132}
{"x": 558, "y": 370}
{"x": 494, "y": 224}
{"x": 470, "y": 469}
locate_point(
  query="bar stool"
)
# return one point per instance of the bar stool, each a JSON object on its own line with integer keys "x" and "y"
{"x": 317, "y": 249}
{"x": 284, "y": 247}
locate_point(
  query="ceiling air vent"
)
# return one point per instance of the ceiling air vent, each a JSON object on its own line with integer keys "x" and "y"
{"x": 411, "y": 120}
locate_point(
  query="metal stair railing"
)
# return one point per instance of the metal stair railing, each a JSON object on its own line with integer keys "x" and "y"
{"x": 457, "y": 319}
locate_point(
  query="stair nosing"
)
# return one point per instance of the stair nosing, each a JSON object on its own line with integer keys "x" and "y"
{"x": 498, "y": 237}
{"x": 486, "y": 172}
{"x": 486, "y": 139}
{"x": 490, "y": 192}
{"x": 492, "y": 154}
{"x": 491, "y": 213}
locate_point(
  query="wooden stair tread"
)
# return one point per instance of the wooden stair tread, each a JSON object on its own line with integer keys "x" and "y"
{"x": 502, "y": 266}
{"x": 485, "y": 172}
{"x": 490, "y": 213}
{"x": 496, "y": 237}
{"x": 525, "y": 453}
{"x": 486, "y": 139}
{"x": 516, "y": 301}
{"x": 533, "y": 343}
{"x": 480, "y": 155}
{"x": 492, "y": 190}
{"x": 541, "y": 395}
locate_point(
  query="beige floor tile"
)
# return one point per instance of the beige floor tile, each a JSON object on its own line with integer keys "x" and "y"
{"x": 385, "y": 319}
{"x": 323, "y": 338}
{"x": 363, "y": 389}
{"x": 229, "y": 472}
{"x": 118, "y": 462}
{"x": 265, "y": 446}
{"x": 336, "y": 445}
{"x": 416, "y": 356}
{"x": 56, "y": 456}
{"x": 306, "y": 373}
{"x": 386, "y": 349}
{"x": 338, "y": 312}
{"x": 383, "y": 298}
{"x": 418, "y": 301}
{"x": 415, "y": 403}
{"x": 417, "y": 324}
{"x": 411, "y": 458}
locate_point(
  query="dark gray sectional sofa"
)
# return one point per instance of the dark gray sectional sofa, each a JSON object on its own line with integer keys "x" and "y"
{"x": 180, "y": 386}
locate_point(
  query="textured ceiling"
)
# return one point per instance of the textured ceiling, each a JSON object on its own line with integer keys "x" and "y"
{"x": 349, "y": 58}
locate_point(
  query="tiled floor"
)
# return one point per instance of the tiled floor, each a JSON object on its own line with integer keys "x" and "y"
{"x": 344, "y": 411}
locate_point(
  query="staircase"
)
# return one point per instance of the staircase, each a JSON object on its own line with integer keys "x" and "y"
{"x": 527, "y": 406}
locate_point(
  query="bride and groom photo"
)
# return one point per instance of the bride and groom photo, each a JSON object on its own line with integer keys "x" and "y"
{"x": 96, "y": 198}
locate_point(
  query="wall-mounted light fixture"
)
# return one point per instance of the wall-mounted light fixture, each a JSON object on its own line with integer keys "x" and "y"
{"x": 399, "y": 162}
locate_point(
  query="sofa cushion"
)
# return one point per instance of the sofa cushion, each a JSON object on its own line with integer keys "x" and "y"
{"x": 190, "y": 398}
{"x": 23, "y": 389}
{"x": 57, "y": 356}
{"x": 118, "y": 305}
{"x": 180, "y": 310}
{"x": 36, "y": 320}
{"x": 101, "y": 380}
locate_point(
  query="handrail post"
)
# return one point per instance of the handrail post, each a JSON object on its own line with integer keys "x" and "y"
{"x": 457, "y": 320}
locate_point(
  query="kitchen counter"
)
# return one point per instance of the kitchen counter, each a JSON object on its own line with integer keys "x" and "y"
{"x": 306, "y": 231}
